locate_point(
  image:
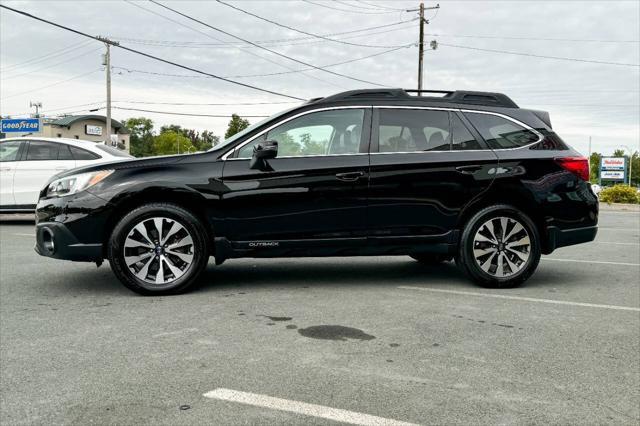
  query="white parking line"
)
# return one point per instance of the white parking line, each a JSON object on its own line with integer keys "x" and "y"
{"x": 600, "y": 228}
{"x": 601, "y": 262}
{"x": 524, "y": 299}
{"x": 304, "y": 408}
{"x": 25, "y": 235}
{"x": 613, "y": 242}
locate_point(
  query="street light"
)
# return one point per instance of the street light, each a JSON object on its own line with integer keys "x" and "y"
{"x": 630, "y": 161}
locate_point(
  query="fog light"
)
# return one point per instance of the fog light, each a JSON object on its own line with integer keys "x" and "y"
{"x": 48, "y": 241}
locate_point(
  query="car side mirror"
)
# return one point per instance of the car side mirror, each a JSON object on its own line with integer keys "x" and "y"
{"x": 261, "y": 153}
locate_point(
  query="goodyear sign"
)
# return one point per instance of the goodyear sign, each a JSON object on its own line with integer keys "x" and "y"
{"x": 20, "y": 125}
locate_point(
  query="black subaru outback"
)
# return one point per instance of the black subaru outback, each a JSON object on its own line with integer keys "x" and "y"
{"x": 439, "y": 176}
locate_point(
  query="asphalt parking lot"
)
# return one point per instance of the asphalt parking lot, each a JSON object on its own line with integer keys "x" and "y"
{"x": 380, "y": 340}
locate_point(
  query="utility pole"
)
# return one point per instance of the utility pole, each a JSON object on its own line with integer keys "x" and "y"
{"x": 423, "y": 21}
{"x": 107, "y": 63}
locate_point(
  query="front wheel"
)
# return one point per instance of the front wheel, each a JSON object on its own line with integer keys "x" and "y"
{"x": 158, "y": 249}
{"x": 500, "y": 247}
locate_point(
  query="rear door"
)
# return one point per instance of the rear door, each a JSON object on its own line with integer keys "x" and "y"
{"x": 315, "y": 189}
{"x": 426, "y": 166}
{"x": 10, "y": 152}
{"x": 41, "y": 162}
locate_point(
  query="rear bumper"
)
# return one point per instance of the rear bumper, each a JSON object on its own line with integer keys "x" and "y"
{"x": 557, "y": 237}
{"x": 55, "y": 240}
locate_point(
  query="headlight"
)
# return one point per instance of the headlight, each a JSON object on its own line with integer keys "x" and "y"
{"x": 75, "y": 183}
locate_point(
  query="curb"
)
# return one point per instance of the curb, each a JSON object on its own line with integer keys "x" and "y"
{"x": 619, "y": 207}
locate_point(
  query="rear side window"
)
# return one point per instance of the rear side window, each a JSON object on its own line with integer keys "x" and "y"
{"x": 82, "y": 154}
{"x": 41, "y": 151}
{"x": 462, "y": 139}
{"x": 407, "y": 130}
{"x": 9, "y": 150}
{"x": 499, "y": 132}
{"x": 113, "y": 151}
{"x": 64, "y": 153}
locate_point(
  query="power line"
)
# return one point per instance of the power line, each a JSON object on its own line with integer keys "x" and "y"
{"x": 265, "y": 48}
{"x": 266, "y": 74}
{"x": 185, "y": 114}
{"x": 42, "y": 58}
{"x": 532, "y": 38}
{"x": 52, "y": 84}
{"x": 206, "y": 103}
{"x": 197, "y": 45}
{"x": 540, "y": 56}
{"x": 295, "y": 29}
{"x": 217, "y": 39}
{"x": 347, "y": 10}
{"x": 73, "y": 58}
{"x": 149, "y": 55}
{"x": 380, "y": 6}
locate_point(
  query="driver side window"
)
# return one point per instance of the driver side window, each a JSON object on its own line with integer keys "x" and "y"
{"x": 318, "y": 133}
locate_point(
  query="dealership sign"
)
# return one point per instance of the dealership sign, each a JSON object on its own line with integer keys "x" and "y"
{"x": 612, "y": 175}
{"x": 93, "y": 130}
{"x": 613, "y": 168}
{"x": 613, "y": 163}
{"x": 20, "y": 125}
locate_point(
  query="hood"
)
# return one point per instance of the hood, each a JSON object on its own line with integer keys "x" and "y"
{"x": 123, "y": 164}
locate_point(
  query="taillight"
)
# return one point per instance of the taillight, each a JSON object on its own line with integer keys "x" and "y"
{"x": 579, "y": 166}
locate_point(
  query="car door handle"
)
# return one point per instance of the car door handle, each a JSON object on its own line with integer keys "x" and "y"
{"x": 350, "y": 176}
{"x": 467, "y": 170}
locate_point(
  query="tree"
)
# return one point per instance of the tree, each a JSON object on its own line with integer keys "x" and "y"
{"x": 140, "y": 136}
{"x": 594, "y": 167}
{"x": 170, "y": 142}
{"x": 635, "y": 169}
{"x": 618, "y": 153}
{"x": 201, "y": 141}
{"x": 236, "y": 124}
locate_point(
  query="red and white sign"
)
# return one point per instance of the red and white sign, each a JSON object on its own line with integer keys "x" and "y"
{"x": 613, "y": 163}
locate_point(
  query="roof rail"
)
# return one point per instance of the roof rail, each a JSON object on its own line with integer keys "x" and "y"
{"x": 452, "y": 96}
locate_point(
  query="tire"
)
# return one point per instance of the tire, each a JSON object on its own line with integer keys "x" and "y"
{"x": 482, "y": 249}
{"x": 136, "y": 251}
{"x": 431, "y": 258}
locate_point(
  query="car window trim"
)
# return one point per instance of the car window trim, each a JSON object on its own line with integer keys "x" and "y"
{"x": 375, "y": 142}
{"x": 227, "y": 155}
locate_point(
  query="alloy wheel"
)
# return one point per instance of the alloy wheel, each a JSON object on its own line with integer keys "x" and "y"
{"x": 502, "y": 247}
{"x": 158, "y": 250}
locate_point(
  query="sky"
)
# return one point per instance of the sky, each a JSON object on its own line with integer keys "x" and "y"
{"x": 593, "y": 92}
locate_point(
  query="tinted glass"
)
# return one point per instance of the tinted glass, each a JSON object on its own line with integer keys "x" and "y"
{"x": 82, "y": 154}
{"x": 9, "y": 150}
{"x": 64, "y": 153}
{"x": 113, "y": 151}
{"x": 406, "y": 130}
{"x": 318, "y": 133}
{"x": 462, "y": 137}
{"x": 500, "y": 132}
{"x": 41, "y": 151}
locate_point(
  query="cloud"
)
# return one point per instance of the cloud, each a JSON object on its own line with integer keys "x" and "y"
{"x": 584, "y": 99}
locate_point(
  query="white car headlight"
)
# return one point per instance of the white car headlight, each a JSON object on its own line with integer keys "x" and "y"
{"x": 75, "y": 183}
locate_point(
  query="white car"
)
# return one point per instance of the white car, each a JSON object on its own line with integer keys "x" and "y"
{"x": 27, "y": 163}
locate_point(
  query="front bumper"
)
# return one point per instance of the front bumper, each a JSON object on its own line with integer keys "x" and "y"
{"x": 557, "y": 237}
{"x": 72, "y": 228}
{"x": 55, "y": 240}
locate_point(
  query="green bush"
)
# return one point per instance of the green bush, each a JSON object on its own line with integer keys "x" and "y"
{"x": 620, "y": 194}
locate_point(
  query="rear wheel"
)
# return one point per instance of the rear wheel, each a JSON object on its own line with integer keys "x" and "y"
{"x": 158, "y": 249}
{"x": 500, "y": 247}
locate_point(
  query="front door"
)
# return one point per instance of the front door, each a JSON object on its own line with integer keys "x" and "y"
{"x": 40, "y": 164}
{"x": 314, "y": 190}
{"x": 9, "y": 156}
{"x": 425, "y": 167}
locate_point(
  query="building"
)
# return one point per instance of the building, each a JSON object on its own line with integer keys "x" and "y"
{"x": 87, "y": 127}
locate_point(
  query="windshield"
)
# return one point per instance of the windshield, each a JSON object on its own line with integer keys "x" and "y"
{"x": 249, "y": 129}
